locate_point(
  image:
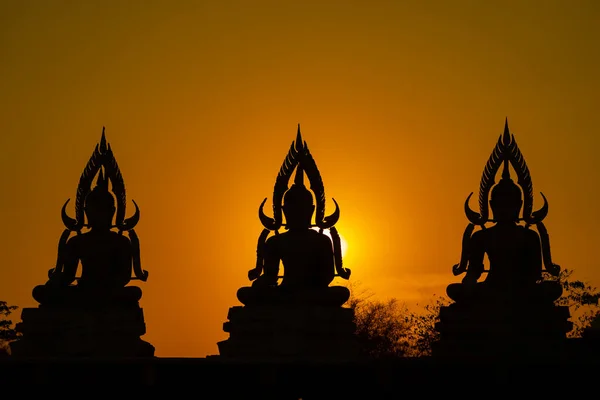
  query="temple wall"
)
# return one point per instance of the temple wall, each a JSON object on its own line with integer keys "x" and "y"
{"x": 297, "y": 379}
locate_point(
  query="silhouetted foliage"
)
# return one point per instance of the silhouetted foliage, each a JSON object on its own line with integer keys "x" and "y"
{"x": 382, "y": 327}
{"x": 389, "y": 329}
{"x": 423, "y": 332}
{"x": 7, "y": 332}
{"x": 582, "y": 299}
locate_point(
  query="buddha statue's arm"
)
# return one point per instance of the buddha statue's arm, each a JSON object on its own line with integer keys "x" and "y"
{"x": 135, "y": 258}
{"x": 125, "y": 261}
{"x": 260, "y": 256}
{"x": 344, "y": 273}
{"x": 60, "y": 262}
{"x": 551, "y": 267}
{"x": 71, "y": 262}
{"x": 271, "y": 262}
{"x": 476, "y": 255}
{"x": 327, "y": 262}
{"x": 461, "y": 267}
{"x": 534, "y": 255}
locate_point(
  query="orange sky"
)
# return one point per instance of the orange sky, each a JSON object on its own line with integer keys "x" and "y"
{"x": 401, "y": 103}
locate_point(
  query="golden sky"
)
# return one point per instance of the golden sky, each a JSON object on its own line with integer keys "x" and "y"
{"x": 400, "y": 102}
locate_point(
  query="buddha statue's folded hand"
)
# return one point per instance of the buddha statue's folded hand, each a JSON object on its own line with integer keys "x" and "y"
{"x": 457, "y": 269}
{"x": 264, "y": 281}
{"x": 553, "y": 269}
{"x": 143, "y": 276}
{"x": 344, "y": 273}
{"x": 253, "y": 274}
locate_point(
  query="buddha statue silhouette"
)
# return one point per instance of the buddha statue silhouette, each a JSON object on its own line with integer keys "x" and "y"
{"x": 310, "y": 258}
{"x": 107, "y": 257}
{"x": 515, "y": 252}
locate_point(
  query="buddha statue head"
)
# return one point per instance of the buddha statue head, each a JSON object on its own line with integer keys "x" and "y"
{"x": 506, "y": 201}
{"x": 298, "y": 205}
{"x": 100, "y": 205}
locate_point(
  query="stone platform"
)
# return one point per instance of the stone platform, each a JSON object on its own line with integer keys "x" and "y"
{"x": 484, "y": 329}
{"x": 51, "y": 331}
{"x": 289, "y": 332}
{"x": 229, "y": 379}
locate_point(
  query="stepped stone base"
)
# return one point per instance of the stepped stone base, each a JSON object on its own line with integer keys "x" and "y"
{"x": 82, "y": 332}
{"x": 290, "y": 332}
{"x": 488, "y": 330}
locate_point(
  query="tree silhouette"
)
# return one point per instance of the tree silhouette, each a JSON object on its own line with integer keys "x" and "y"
{"x": 7, "y": 332}
{"x": 388, "y": 329}
{"x": 423, "y": 332}
{"x": 581, "y": 298}
{"x": 381, "y": 326}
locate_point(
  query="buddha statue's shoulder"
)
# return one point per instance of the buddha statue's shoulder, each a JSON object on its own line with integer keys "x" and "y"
{"x": 118, "y": 237}
{"x": 482, "y": 235}
{"x": 276, "y": 239}
{"x": 526, "y": 234}
{"x": 110, "y": 238}
{"x": 320, "y": 238}
{"x": 121, "y": 242}
{"x": 529, "y": 233}
{"x": 275, "y": 244}
{"x": 76, "y": 241}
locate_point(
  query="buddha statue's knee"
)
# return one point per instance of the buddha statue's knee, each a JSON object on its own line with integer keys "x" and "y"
{"x": 255, "y": 294}
{"x": 340, "y": 294}
{"x": 464, "y": 291}
{"x": 131, "y": 293}
{"x": 245, "y": 294}
{"x": 40, "y": 293}
{"x": 327, "y": 296}
{"x": 264, "y": 281}
{"x": 45, "y": 294}
{"x": 455, "y": 291}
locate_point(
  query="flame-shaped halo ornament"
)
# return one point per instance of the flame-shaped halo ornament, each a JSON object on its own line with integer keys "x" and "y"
{"x": 102, "y": 158}
{"x": 298, "y": 157}
{"x": 506, "y": 152}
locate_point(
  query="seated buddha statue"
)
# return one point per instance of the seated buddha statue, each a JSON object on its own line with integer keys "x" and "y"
{"x": 515, "y": 252}
{"x": 106, "y": 257}
{"x": 310, "y": 258}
